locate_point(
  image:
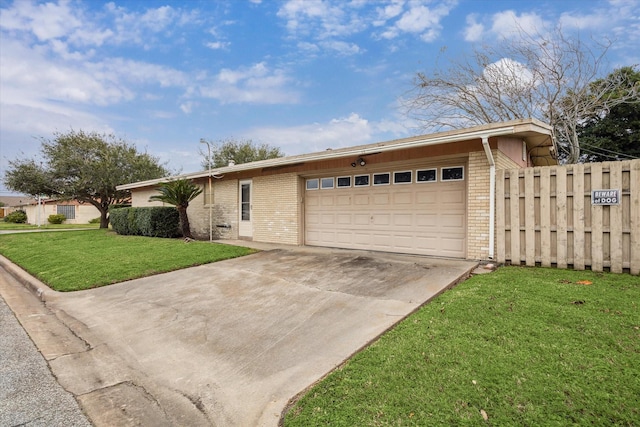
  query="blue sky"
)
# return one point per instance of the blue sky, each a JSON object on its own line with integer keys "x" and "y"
{"x": 303, "y": 75}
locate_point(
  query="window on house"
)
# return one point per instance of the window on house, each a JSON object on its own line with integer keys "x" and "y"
{"x": 381, "y": 178}
{"x": 402, "y": 177}
{"x": 361, "y": 180}
{"x": 326, "y": 183}
{"x": 312, "y": 184}
{"x": 344, "y": 181}
{"x": 426, "y": 175}
{"x": 453, "y": 174}
{"x": 69, "y": 211}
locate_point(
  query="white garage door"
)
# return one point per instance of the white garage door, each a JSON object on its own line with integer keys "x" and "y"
{"x": 418, "y": 211}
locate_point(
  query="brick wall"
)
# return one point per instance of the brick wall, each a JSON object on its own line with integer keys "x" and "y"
{"x": 276, "y": 209}
{"x": 478, "y": 206}
{"x": 478, "y": 201}
{"x": 224, "y": 211}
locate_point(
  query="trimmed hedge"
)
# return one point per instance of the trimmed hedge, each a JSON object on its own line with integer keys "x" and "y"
{"x": 56, "y": 218}
{"x": 16, "y": 217}
{"x": 151, "y": 221}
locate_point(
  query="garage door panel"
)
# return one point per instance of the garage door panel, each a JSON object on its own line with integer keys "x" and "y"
{"x": 361, "y": 219}
{"x": 451, "y": 221}
{"x": 312, "y": 219}
{"x": 361, "y": 238}
{"x": 381, "y": 219}
{"x": 402, "y": 198}
{"x": 343, "y": 219}
{"x": 327, "y": 200}
{"x": 403, "y": 241}
{"x": 361, "y": 199}
{"x": 451, "y": 196}
{"x": 426, "y": 197}
{"x": 403, "y": 220}
{"x": 328, "y": 219}
{"x": 344, "y": 238}
{"x": 381, "y": 200}
{"x": 343, "y": 200}
{"x": 452, "y": 244}
{"x": 425, "y": 218}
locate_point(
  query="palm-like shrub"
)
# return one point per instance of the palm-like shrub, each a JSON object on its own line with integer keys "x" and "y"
{"x": 178, "y": 193}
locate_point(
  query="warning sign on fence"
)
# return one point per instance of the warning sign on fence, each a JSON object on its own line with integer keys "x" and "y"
{"x": 605, "y": 197}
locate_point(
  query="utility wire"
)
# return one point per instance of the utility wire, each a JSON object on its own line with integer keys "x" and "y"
{"x": 617, "y": 154}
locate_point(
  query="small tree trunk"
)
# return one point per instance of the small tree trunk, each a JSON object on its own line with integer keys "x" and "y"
{"x": 104, "y": 218}
{"x": 184, "y": 222}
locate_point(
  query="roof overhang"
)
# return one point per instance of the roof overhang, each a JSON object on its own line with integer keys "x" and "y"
{"x": 537, "y": 136}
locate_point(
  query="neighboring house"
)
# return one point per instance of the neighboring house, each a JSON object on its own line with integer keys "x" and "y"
{"x": 74, "y": 211}
{"x": 428, "y": 195}
{"x": 9, "y": 203}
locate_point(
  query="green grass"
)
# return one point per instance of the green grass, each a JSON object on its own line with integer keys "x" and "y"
{"x": 76, "y": 260}
{"x": 528, "y": 346}
{"x": 47, "y": 226}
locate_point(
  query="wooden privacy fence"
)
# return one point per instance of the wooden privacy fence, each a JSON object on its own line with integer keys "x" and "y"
{"x": 546, "y": 216}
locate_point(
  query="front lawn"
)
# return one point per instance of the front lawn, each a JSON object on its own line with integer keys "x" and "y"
{"x": 520, "y": 346}
{"x": 75, "y": 260}
{"x": 47, "y": 226}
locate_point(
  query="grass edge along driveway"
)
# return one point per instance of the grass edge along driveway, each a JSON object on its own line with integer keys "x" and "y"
{"x": 77, "y": 260}
{"x": 520, "y": 346}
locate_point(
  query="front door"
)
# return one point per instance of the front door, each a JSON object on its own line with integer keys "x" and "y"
{"x": 245, "y": 229}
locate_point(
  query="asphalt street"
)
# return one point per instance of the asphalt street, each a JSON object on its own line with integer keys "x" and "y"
{"x": 29, "y": 393}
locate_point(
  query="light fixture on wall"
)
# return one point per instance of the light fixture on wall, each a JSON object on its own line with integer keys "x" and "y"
{"x": 360, "y": 162}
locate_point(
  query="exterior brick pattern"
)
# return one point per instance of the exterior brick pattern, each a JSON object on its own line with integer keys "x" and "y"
{"x": 478, "y": 201}
{"x": 224, "y": 211}
{"x": 478, "y": 206}
{"x": 276, "y": 209}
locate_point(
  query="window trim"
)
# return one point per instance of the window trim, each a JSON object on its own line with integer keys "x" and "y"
{"x": 343, "y": 186}
{"x": 426, "y": 170}
{"x": 381, "y": 173}
{"x": 333, "y": 183}
{"x": 410, "y": 172}
{"x": 355, "y": 183}
{"x": 451, "y": 167}
{"x": 312, "y": 180}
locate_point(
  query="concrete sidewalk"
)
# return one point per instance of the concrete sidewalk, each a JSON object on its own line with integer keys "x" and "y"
{"x": 228, "y": 343}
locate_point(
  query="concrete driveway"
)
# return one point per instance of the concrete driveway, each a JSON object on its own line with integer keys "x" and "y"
{"x": 230, "y": 343}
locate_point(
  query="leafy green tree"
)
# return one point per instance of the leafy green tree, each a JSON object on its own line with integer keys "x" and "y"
{"x": 178, "y": 193}
{"x": 244, "y": 151}
{"x": 83, "y": 166}
{"x": 614, "y": 134}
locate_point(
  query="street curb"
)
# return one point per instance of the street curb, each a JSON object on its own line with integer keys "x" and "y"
{"x": 35, "y": 286}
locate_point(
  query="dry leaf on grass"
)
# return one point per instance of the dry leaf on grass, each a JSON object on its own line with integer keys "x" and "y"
{"x": 484, "y": 415}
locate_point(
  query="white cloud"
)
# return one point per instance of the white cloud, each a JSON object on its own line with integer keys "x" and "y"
{"x": 257, "y": 84}
{"x": 474, "y": 30}
{"x": 321, "y": 18}
{"x": 508, "y": 74}
{"x": 46, "y": 21}
{"x": 343, "y": 48}
{"x": 388, "y": 12}
{"x": 336, "y": 133}
{"x": 418, "y": 19}
{"x": 509, "y": 24}
{"x": 217, "y": 45}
